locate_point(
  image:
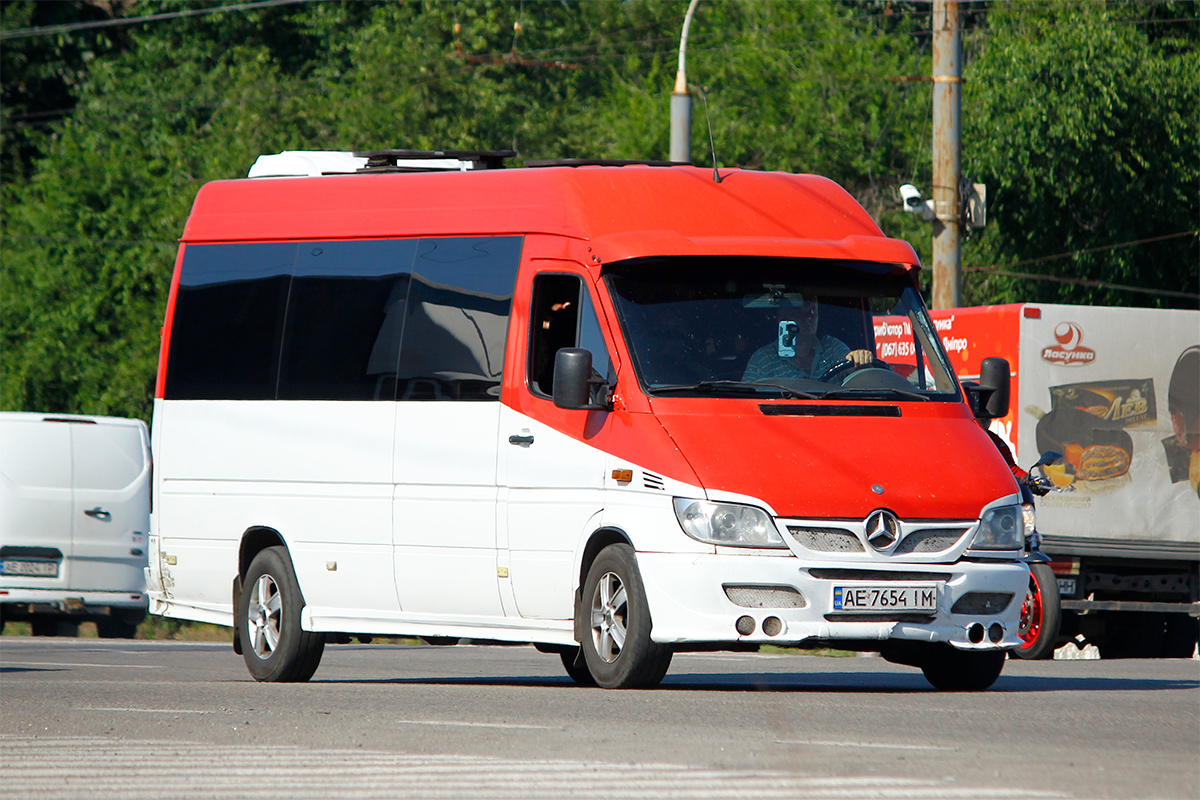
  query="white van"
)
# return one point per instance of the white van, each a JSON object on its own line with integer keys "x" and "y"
{"x": 74, "y": 516}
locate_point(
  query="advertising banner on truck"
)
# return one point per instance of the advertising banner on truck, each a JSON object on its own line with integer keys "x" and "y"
{"x": 1116, "y": 391}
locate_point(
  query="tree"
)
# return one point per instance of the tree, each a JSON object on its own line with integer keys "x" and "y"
{"x": 1084, "y": 129}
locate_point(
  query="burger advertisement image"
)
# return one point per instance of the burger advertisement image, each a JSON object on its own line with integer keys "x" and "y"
{"x": 1116, "y": 392}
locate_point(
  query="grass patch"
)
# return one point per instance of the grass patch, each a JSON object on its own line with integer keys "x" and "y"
{"x": 826, "y": 652}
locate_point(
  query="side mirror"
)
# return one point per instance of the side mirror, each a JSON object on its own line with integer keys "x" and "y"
{"x": 989, "y": 397}
{"x": 573, "y": 380}
{"x": 994, "y": 384}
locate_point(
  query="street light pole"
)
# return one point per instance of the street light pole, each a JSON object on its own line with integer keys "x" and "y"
{"x": 681, "y": 101}
{"x": 947, "y": 156}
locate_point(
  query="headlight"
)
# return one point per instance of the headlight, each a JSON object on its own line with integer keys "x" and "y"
{"x": 727, "y": 524}
{"x": 1029, "y": 517}
{"x": 1000, "y": 528}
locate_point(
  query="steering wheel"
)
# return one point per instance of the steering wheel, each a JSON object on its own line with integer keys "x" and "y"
{"x": 839, "y": 369}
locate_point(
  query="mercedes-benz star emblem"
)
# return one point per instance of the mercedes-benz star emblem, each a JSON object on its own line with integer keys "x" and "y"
{"x": 883, "y": 529}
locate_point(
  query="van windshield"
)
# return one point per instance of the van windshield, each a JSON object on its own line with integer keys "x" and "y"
{"x": 782, "y": 327}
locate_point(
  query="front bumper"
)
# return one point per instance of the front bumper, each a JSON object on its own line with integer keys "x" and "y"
{"x": 689, "y": 604}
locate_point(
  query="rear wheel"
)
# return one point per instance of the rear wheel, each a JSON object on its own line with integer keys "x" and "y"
{"x": 274, "y": 646}
{"x": 1041, "y": 614}
{"x": 616, "y": 645}
{"x": 53, "y": 627}
{"x": 954, "y": 670}
{"x": 112, "y": 628}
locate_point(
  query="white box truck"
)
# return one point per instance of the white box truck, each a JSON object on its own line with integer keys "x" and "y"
{"x": 1116, "y": 391}
{"x": 74, "y": 516}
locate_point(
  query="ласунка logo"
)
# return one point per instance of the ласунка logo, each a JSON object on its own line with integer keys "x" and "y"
{"x": 1068, "y": 349}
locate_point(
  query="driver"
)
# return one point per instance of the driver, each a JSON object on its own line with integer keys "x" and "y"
{"x": 798, "y": 352}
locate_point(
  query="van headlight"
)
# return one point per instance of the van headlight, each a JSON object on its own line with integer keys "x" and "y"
{"x": 1001, "y": 528}
{"x": 727, "y": 524}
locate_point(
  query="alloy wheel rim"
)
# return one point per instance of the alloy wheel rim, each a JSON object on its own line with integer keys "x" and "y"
{"x": 263, "y": 616}
{"x": 1031, "y": 615}
{"x": 610, "y": 606}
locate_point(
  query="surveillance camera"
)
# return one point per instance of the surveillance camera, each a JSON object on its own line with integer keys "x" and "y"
{"x": 911, "y": 196}
{"x": 914, "y": 203}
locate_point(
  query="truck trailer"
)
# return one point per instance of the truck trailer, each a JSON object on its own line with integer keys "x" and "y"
{"x": 1115, "y": 391}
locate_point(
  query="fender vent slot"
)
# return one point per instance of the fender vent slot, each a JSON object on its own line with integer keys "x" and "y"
{"x": 652, "y": 481}
{"x": 756, "y": 596}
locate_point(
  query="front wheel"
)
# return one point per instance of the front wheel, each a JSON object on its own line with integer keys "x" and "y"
{"x": 952, "y": 670}
{"x": 274, "y": 646}
{"x": 1041, "y": 614}
{"x": 616, "y": 644}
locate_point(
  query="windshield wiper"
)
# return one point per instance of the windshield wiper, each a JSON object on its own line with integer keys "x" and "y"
{"x": 880, "y": 392}
{"x": 734, "y": 386}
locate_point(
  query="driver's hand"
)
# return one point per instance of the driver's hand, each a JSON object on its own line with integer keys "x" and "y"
{"x": 860, "y": 357}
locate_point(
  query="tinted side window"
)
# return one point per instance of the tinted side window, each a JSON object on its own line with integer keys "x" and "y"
{"x": 229, "y": 321}
{"x": 344, "y": 321}
{"x": 413, "y": 319}
{"x": 456, "y": 319}
{"x": 562, "y": 316}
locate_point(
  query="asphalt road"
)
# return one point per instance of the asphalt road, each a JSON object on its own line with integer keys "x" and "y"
{"x": 108, "y": 719}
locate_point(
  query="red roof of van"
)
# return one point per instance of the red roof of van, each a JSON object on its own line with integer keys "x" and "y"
{"x": 626, "y": 211}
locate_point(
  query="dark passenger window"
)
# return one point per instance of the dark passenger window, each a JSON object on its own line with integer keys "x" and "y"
{"x": 228, "y": 321}
{"x": 344, "y": 320}
{"x": 414, "y": 319}
{"x": 456, "y": 319}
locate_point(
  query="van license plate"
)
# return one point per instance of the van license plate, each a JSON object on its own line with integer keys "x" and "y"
{"x": 40, "y": 569}
{"x": 885, "y": 598}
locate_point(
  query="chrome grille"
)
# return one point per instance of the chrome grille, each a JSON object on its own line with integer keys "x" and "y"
{"x": 930, "y": 540}
{"x": 826, "y": 540}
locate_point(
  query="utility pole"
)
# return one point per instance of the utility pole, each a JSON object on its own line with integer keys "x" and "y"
{"x": 947, "y": 154}
{"x": 681, "y": 101}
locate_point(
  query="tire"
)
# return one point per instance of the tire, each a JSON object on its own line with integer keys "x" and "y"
{"x": 113, "y": 628}
{"x": 1182, "y": 633}
{"x": 951, "y": 670}
{"x": 274, "y": 646}
{"x": 1041, "y": 615}
{"x": 54, "y": 627}
{"x": 1132, "y": 634}
{"x": 616, "y": 643}
{"x": 576, "y": 666}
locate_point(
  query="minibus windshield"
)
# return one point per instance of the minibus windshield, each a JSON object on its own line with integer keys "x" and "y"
{"x": 778, "y": 327}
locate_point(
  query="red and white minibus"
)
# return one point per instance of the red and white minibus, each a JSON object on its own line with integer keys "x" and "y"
{"x": 613, "y": 410}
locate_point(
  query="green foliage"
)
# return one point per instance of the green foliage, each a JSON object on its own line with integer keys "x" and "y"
{"x": 1085, "y": 132}
{"x": 1070, "y": 110}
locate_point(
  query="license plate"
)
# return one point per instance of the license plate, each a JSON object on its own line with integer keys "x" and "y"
{"x": 1066, "y": 587}
{"x": 39, "y": 569}
{"x": 885, "y": 598}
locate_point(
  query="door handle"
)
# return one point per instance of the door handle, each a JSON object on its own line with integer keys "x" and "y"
{"x": 99, "y": 513}
{"x": 514, "y": 439}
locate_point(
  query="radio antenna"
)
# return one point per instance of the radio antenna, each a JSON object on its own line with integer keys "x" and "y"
{"x": 711, "y": 147}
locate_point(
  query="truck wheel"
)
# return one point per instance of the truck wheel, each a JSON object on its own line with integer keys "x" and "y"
{"x": 274, "y": 646}
{"x": 54, "y": 627}
{"x": 1182, "y": 631}
{"x": 113, "y": 628}
{"x": 952, "y": 670}
{"x": 616, "y": 644}
{"x": 1041, "y": 615}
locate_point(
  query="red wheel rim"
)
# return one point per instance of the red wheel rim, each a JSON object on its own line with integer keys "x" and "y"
{"x": 1031, "y": 615}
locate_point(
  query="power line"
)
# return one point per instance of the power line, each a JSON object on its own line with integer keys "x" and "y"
{"x": 23, "y": 33}
{"x": 994, "y": 269}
